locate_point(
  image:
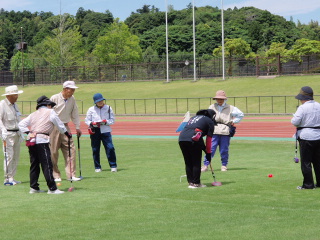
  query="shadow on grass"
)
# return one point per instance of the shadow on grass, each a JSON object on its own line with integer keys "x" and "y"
{"x": 222, "y": 183}
{"x": 234, "y": 169}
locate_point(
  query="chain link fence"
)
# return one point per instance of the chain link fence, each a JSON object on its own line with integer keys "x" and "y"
{"x": 259, "y": 66}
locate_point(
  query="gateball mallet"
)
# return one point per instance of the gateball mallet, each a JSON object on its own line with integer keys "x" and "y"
{"x": 79, "y": 156}
{"x": 296, "y": 159}
{"x": 7, "y": 183}
{"x": 215, "y": 183}
{"x": 182, "y": 177}
{"x": 69, "y": 148}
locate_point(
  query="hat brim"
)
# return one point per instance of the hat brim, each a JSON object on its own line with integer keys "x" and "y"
{"x": 218, "y": 97}
{"x": 52, "y": 104}
{"x": 303, "y": 97}
{"x": 99, "y": 100}
{"x": 73, "y": 87}
{"x": 6, "y": 94}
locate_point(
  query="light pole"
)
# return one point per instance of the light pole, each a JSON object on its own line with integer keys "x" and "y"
{"x": 194, "y": 45}
{"x": 167, "y": 44}
{"x": 21, "y": 45}
{"x": 222, "y": 41}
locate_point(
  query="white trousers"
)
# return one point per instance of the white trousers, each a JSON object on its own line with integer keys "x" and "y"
{"x": 11, "y": 155}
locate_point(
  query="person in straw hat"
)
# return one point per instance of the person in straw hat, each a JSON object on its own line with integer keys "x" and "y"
{"x": 10, "y": 133}
{"x": 226, "y": 116}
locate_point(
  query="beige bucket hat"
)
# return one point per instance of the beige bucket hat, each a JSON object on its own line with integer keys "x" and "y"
{"x": 220, "y": 94}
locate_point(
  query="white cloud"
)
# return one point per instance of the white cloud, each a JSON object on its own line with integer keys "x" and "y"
{"x": 280, "y": 7}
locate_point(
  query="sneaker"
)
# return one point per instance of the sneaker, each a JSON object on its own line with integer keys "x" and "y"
{"x": 204, "y": 168}
{"x": 224, "y": 169}
{"x": 303, "y": 188}
{"x": 57, "y": 191}
{"x": 98, "y": 170}
{"x": 75, "y": 179}
{"x": 57, "y": 179}
{"x": 7, "y": 183}
{"x": 13, "y": 182}
{"x": 114, "y": 170}
{"x": 192, "y": 185}
{"x": 32, "y": 190}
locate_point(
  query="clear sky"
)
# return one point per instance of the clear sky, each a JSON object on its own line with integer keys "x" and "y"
{"x": 303, "y": 10}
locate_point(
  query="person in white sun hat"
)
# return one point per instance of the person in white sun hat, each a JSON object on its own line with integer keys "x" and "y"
{"x": 227, "y": 115}
{"x": 10, "y": 133}
{"x": 67, "y": 110}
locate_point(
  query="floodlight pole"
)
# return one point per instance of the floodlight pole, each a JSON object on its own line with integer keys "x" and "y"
{"x": 22, "y": 67}
{"x": 167, "y": 44}
{"x": 194, "y": 46}
{"x": 222, "y": 41}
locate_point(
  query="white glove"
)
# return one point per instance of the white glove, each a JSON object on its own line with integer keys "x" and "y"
{"x": 4, "y": 134}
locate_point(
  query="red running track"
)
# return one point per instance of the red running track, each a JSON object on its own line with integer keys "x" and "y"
{"x": 148, "y": 126}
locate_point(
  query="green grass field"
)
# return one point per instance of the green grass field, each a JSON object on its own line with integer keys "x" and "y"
{"x": 234, "y": 87}
{"x": 146, "y": 200}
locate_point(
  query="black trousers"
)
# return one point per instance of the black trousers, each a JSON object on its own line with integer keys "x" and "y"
{"x": 192, "y": 153}
{"x": 310, "y": 156}
{"x": 40, "y": 155}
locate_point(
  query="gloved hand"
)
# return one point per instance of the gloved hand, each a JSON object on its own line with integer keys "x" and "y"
{"x": 104, "y": 122}
{"x": 69, "y": 135}
{"x": 95, "y": 124}
{"x": 208, "y": 159}
{"x": 4, "y": 134}
{"x": 91, "y": 130}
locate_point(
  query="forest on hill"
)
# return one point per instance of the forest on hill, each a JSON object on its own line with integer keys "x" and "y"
{"x": 90, "y": 38}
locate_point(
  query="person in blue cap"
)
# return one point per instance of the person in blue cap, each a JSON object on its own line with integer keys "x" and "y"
{"x": 99, "y": 119}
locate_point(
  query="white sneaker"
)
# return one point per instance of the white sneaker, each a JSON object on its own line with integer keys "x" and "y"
{"x": 114, "y": 170}
{"x": 75, "y": 179}
{"x": 191, "y": 185}
{"x": 57, "y": 179}
{"x": 7, "y": 183}
{"x": 98, "y": 170}
{"x": 32, "y": 190}
{"x": 13, "y": 182}
{"x": 204, "y": 168}
{"x": 57, "y": 191}
{"x": 224, "y": 169}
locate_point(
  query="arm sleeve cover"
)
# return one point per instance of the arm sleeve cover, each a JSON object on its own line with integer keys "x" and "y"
{"x": 208, "y": 144}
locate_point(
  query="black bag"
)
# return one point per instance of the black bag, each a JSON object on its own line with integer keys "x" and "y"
{"x": 232, "y": 130}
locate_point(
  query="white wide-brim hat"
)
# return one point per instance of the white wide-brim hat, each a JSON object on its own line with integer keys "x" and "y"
{"x": 12, "y": 90}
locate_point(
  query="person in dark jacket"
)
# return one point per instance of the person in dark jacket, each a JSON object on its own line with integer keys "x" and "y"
{"x": 192, "y": 144}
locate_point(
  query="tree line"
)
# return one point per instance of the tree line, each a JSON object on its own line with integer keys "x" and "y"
{"x": 93, "y": 38}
